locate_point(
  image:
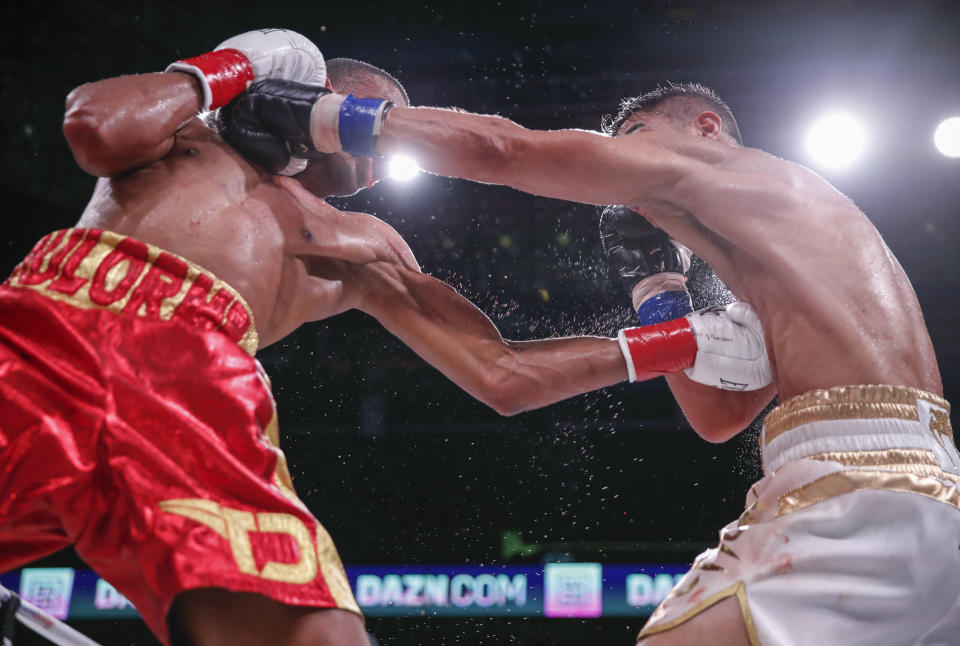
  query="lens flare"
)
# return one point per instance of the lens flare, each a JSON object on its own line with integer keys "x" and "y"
{"x": 947, "y": 137}
{"x": 836, "y": 141}
{"x": 403, "y": 168}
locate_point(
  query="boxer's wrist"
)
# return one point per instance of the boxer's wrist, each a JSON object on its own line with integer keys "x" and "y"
{"x": 665, "y": 306}
{"x": 346, "y": 123}
{"x": 661, "y": 297}
{"x": 651, "y": 286}
{"x": 325, "y": 121}
{"x": 656, "y": 350}
{"x": 222, "y": 74}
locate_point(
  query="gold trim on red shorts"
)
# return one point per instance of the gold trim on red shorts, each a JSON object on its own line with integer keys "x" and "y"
{"x": 93, "y": 269}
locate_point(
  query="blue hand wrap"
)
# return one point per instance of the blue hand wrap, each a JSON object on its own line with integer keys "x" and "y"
{"x": 665, "y": 306}
{"x": 359, "y": 125}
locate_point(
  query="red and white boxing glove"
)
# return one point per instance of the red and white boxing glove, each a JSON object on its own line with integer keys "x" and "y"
{"x": 253, "y": 56}
{"x": 719, "y": 346}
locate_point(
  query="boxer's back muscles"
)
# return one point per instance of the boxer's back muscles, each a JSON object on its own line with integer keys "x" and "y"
{"x": 263, "y": 235}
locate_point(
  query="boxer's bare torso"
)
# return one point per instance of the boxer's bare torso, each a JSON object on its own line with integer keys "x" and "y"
{"x": 168, "y": 179}
{"x": 282, "y": 248}
{"x": 836, "y": 306}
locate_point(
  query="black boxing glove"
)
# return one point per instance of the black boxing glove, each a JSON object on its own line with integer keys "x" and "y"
{"x": 269, "y": 123}
{"x": 651, "y": 265}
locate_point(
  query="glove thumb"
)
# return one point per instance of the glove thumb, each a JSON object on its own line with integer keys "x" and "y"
{"x": 744, "y": 314}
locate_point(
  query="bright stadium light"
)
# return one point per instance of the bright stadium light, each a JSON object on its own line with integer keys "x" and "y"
{"x": 836, "y": 141}
{"x": 403, "y": 168}
{"x": 947, "y": 137}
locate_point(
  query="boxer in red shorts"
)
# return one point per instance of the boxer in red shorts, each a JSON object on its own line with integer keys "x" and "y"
{"x": 135, "y": 422}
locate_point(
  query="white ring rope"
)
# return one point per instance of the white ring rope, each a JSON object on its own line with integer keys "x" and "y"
{"x": 45, "y": 625}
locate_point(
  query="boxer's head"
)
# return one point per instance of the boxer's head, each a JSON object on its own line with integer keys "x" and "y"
{"x": 341, "y": 173}
{"x": 687, "y": 108}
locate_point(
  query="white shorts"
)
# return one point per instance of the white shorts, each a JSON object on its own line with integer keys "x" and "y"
{"x": 851, "y": 537}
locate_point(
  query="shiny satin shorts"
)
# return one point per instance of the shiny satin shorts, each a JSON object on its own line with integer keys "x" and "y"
{"x": 852, "y": 536}
{"x": 136, "y": 425}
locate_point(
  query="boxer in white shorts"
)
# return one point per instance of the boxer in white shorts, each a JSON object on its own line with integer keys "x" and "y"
{"x": 853, "y": 536}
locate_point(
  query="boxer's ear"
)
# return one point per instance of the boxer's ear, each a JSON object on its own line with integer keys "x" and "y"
{"x": 708, "y": 124}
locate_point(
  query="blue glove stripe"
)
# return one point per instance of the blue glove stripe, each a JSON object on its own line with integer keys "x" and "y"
{"x": 664, "y": 307}
{"x": 360, "y": 125}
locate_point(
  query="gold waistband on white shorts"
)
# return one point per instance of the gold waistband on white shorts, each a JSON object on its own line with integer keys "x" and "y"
{"x": 861, "y": 426}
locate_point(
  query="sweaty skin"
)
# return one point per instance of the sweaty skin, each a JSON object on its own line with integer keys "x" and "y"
{"x": 252, "y": 229}
{"x": 169, "y": 180}
{"x": 836, "y": 306}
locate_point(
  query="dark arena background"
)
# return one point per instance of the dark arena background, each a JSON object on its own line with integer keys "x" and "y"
{"x": 411, "y": 476}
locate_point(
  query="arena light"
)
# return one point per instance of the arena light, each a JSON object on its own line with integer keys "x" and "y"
{"x": 403, "y": 168}
{"x": 836, "y": 140}
{"x": 947, "y": 137}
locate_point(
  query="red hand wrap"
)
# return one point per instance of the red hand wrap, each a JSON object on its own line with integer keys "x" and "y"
{"x": 227, "y": 70}
{"x": 660, "y": 349}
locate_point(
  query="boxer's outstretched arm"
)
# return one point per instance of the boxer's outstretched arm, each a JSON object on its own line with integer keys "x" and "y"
{"x": 454, "y": 336}
{"x": 695, "y": 175}
{"x": 575, "y": 165}
{"x": 123, "y": 123}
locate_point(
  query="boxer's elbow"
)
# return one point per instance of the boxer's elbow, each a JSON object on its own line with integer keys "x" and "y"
{"x": 507, "y": 390}
{"x": 84, "y": 131}
{"x": 504, "y": 397}
{"x": 717, "y": 431}
{"x": 94, "y": 143}
{"x": 719, "y": 423}
{"x": 507, "y": 406}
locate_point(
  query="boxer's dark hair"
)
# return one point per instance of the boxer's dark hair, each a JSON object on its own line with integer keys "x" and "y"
{"x": 340, "y": 70}
{"x": 684, "y": 100}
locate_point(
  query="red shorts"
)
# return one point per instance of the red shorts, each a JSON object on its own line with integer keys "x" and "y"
{"x": 136, "y": 425}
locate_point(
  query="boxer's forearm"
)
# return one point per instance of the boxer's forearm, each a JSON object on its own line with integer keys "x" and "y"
{"x": 549, "y": 370}
{"x": 455, "y": 337}
{"x": 119, "y": 124}
{"x": 567, "y": 164}
{"x": 717, "y": 415}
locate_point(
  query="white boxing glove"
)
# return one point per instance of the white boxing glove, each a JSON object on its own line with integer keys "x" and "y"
{"x": 253, "y": 56}
{"x": 731, "y": 352}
